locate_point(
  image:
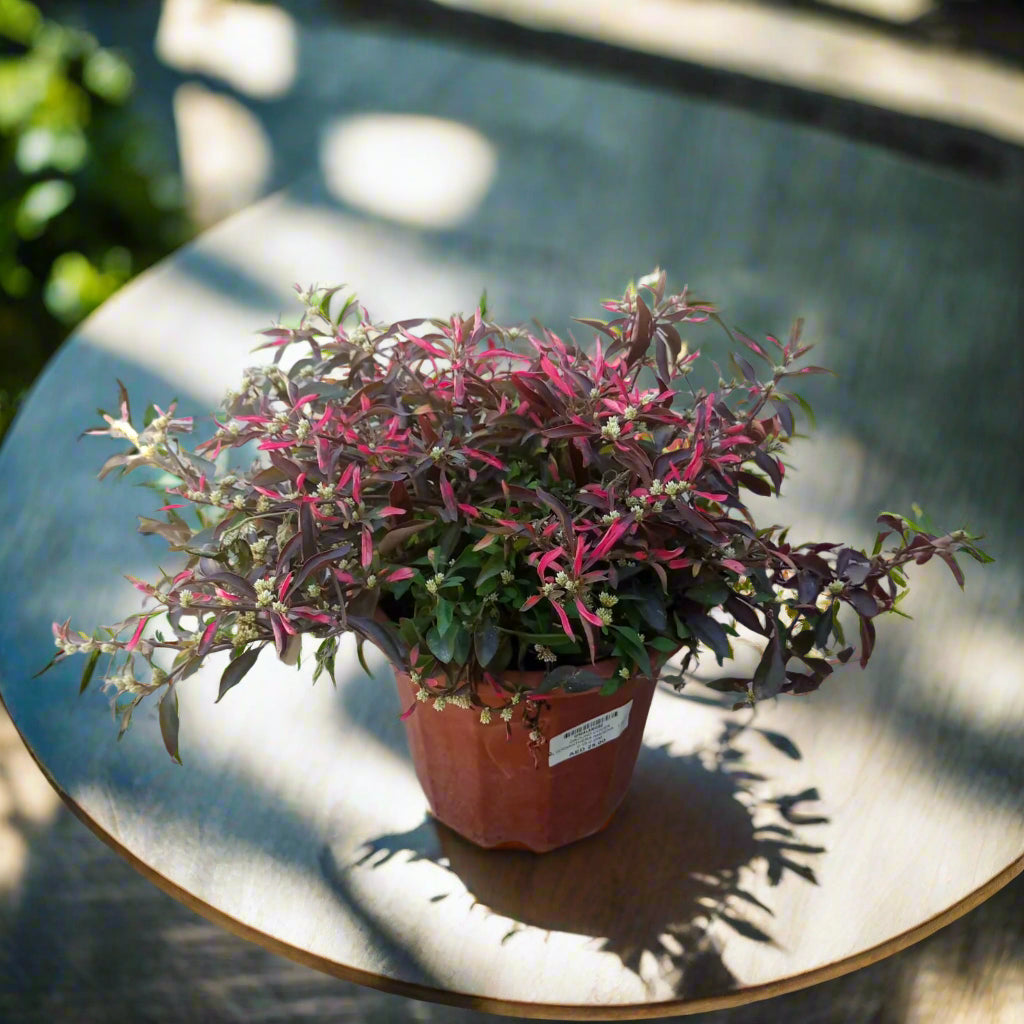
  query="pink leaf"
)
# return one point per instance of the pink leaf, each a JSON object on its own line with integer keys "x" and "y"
{"x": 302, "y": 400}
{"x": 556, "y": 377}
{"x": 426, "y": 346}
{"x": 608, "y": 541}
{"x": 357, "y": 489}
{"x": 208, "y": 634}
{"x": 401, "y": 574}
{"x": 392, "y": 510}
{"x": 447, "y": 494}
{"x": 136, "y": 636}
{"x": 547, "y": 558}
{"x": 577, "y": 565}
{"x": 471, "y": 510}
{"x": 565, "y": 620}
{"x": 167, "y": 508}
{"x": 405, "y": 714}
{"x": 587, "y": 614}
{"x": 283, "y": 589}
{"x": 530, "y": 602}
{"x": 267, "y": 446}
{"x": 367, "y": 549}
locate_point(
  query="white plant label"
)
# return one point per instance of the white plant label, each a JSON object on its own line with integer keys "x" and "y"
{"x": 588, "y": 735}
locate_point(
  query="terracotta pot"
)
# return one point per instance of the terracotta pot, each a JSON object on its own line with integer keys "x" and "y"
{"x": 494, "y": 790}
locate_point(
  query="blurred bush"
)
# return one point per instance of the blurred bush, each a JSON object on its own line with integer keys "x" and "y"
{"x": 87, "y": 199}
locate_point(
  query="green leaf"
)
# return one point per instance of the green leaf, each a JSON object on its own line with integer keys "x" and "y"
{"x": 611, "y": 685}
{"x": 326, "y": 654}
{"x": 710, "y": 594}
{"x": 463, "y": 640}
{"x": 493, "y": 568}
{"x": 807, "y": 410}
{"x": 408, "y": 631}
{"x": 236, "y": 670}
{"x": 636, "y": 648}
{"x": 485, "y": 642}
{"x": 445, "y": 610}
{"x": 441, "y": 646}
{"x": 663, "y": 644}
{"x": 169, "y": 722}
{"x": 90, "y": 667}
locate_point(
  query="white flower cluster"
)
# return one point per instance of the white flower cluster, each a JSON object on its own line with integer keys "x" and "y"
{"x": 265, "y": 591}
{"x": 245, "y": 628}
{"x": 545, "y": 654}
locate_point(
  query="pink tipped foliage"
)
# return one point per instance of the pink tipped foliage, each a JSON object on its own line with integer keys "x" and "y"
{"x": 454, "y": 490}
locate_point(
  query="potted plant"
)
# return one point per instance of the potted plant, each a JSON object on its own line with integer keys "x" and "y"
{"x": 526, "y": 528}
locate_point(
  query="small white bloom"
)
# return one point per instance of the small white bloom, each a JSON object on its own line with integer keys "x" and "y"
{"x": 611, "y": 428}
{"x": 485, "y": 716}
{"x": 506, "y": 714}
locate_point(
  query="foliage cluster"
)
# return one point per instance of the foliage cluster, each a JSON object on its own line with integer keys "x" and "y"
{"x": 86, "y": 201}
{"x": 476, "y": 499}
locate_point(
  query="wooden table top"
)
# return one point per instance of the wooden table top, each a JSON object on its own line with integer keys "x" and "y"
{"x": 751, "y": 857}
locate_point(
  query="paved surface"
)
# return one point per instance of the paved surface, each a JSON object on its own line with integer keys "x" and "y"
{"x": 82, "y": 937}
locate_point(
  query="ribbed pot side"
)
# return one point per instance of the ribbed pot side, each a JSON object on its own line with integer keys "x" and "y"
{"x": 498, "y": 792}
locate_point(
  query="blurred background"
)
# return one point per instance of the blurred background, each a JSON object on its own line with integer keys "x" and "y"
{"x": 126, "y": 128}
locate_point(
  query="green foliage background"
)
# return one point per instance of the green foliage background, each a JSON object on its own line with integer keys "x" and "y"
{"x": 87, "y": 198}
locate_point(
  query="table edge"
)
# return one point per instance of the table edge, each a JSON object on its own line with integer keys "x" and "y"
{"x": 508, "y": 1007}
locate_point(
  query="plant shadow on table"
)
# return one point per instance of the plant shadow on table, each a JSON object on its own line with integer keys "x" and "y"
{"x": 665, "y": 884}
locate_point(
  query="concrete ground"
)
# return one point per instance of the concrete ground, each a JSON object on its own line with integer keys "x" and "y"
{"x": 243, "y": 92}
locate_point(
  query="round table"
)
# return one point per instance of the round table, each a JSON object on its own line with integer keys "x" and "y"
{"x": 752, "y": 856}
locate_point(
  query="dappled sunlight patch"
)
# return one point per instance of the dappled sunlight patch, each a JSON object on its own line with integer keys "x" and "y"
{"x": 422, "y": 171}
{"x": 251, "y": 46}
{"x": 27, "y": 803}
{"x": 225, "y": 153}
